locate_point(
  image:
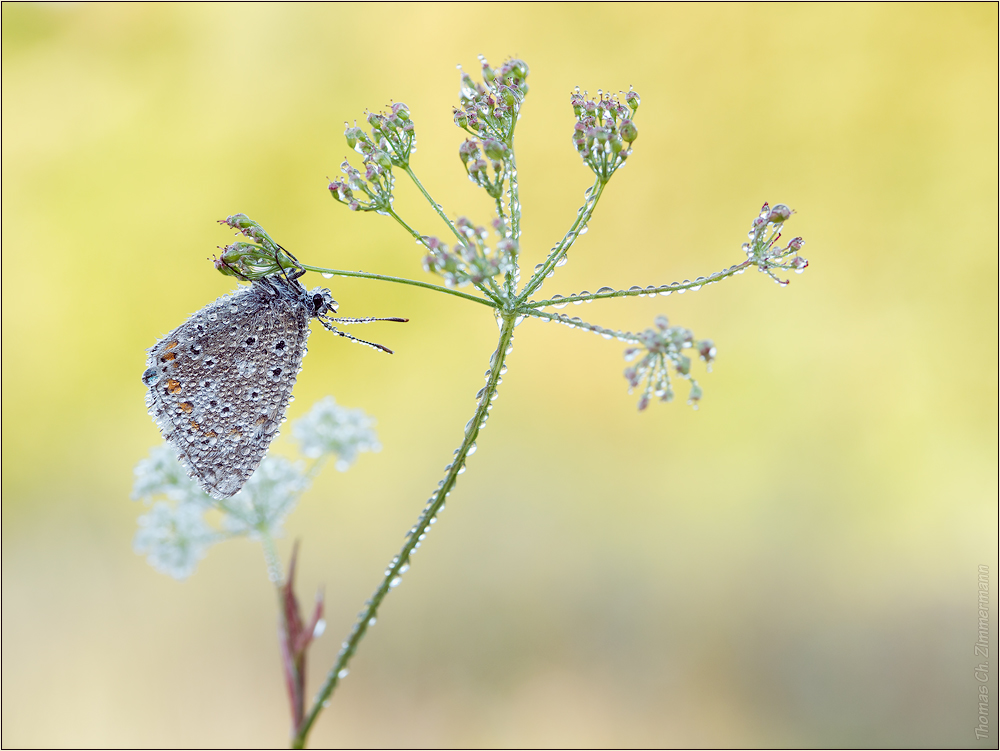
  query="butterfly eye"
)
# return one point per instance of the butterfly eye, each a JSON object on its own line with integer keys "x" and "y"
{"x": 318, "y": 303}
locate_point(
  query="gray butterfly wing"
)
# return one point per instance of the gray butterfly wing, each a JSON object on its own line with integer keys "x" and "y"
{"x": 220, "y": 383}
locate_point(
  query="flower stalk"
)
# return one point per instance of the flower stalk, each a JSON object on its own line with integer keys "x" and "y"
{"x": 400, "y": 564}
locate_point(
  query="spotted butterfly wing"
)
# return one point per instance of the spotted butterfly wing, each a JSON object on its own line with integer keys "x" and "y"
{"x": 220, "y": 383}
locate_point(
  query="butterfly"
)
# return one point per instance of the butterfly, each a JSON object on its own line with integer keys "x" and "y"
{"x": 220, "y": 383}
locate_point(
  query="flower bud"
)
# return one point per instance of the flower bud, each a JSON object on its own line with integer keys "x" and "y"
{"x": 468, "y": 150}
{"x": 508, "y": 96}
{"x": 706, "y": 350}
{"x": 477, "y": 168}
{"x": 494, "y": 149}
{"x": 248, "y": 261}
{"x": 237, "y": 221}
{"x": 468, "y": 83}
{"x": 628, "y": 131}
{"x": 780, "y": 213}
{"x": 401, "y": 111}
{"x": 632, "y": 100}
{"x": 796, "y": 244}
{"x": 353, "y": 134}
{"x": 696, "y": 393}
{"x": 518, "y": 68}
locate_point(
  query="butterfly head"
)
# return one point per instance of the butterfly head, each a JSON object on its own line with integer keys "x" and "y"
{"x": 320, "y": 302}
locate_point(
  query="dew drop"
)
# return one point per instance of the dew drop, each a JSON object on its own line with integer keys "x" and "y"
{"x": 343, "y": 673}
{"x": 327, "y": 275}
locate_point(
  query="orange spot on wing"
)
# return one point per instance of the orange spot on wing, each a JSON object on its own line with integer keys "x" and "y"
{"x": 172, "y": 344}
{"x": 186, "y": 406}
{"x": 168, "y": 357}
{"x": 173, "y": 386}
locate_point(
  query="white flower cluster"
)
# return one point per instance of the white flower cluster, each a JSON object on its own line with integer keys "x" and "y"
{"x": 329, "y": 428}
{"x": 175, "y": 535}
{"x": 267, "y": 498}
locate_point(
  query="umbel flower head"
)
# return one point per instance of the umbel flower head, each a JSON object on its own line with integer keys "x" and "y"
{"x": 604, "y": 130}
{"x": 471, "y": 261}
{"x": 664, "y": 346}
{"x": 491, "y": 109}
{"x": 763, "y": 248}
{"x": 251, "y": 260}
{"x": 391, "y": 143}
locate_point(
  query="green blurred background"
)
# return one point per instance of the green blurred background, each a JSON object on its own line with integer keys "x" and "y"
{"x": 792, "y": 564}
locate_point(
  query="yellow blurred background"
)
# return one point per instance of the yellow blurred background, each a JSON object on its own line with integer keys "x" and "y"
{"x": 793, "y": 564}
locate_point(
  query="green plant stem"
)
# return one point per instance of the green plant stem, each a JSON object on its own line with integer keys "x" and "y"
{"x": 515, "y": 198}
{"x": 582, "y": 217}
{"x": 497, "y": 295}
{"x": 402, "y": 222}
{"x": 435, "y": 205}
{"x": 644, "y": 291}
{"x": 400, "y": 280}
{"x": 416, "y": 534}
{"x": 515, "y": 217}
{"x": 622, "y": 336}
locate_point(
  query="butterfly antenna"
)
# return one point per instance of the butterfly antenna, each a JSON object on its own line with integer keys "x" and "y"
{"x": 347, "y": 321}
{"x": 334, "y": 330}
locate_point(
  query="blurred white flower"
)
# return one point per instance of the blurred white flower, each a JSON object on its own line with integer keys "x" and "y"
{"x": 266, "y": 499}
{"x": 329, "y": 428}
{"x": 174, "y": 538}
{"x": 162, "y": 474}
